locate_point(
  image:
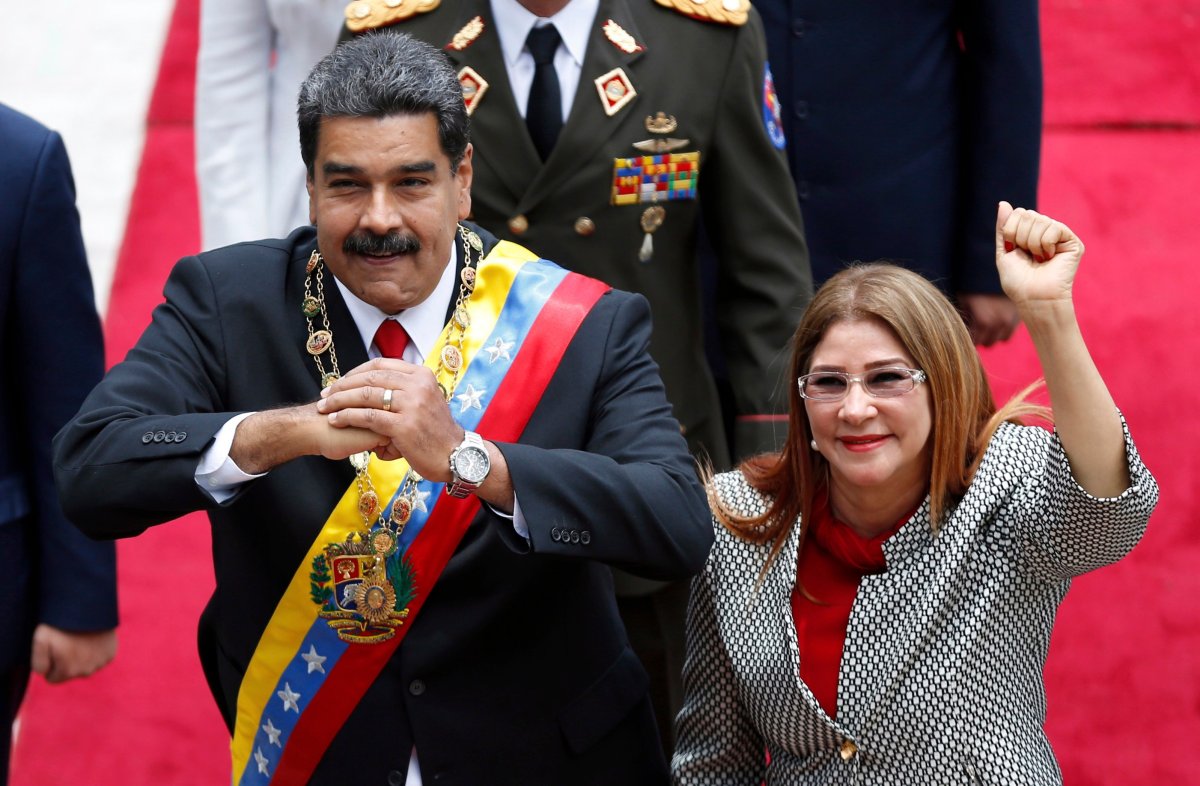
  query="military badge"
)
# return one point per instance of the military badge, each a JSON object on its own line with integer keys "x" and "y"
{"x": 721, "y": 12}
{"x": 467, "y": 35}
{"x": 362, "y": 15}
{"x": 473, "y": 87}
{"x": 363, "y": 594}
{"x": 650, "y": 179}
{"x": 615, "y": 90}
{"x": 621, "y": 39}
{"x": 772, "y": 112}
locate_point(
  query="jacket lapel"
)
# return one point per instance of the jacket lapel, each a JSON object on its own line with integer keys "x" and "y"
{"x": 588, "y": 126}
{"x": 495, "y": 118}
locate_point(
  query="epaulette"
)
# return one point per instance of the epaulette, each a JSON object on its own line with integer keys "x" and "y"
{"x": 721, "y": 12}
{"x": 362, "y": 15}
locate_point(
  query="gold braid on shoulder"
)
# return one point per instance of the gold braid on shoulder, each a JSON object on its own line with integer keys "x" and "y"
{"x": 721, "y": 12}
{"x": 363, "y": 15}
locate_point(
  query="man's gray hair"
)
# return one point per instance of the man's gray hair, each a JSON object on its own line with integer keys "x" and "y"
{"x": 379, "y": 74}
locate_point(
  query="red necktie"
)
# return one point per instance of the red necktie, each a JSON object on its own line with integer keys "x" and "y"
{"x": 392, "y": 339}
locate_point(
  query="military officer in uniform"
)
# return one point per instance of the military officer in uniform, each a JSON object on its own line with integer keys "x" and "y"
{"x": 604, "y": 132}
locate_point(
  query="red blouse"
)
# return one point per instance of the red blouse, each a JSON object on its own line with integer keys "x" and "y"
{"x": 832, "y": 562}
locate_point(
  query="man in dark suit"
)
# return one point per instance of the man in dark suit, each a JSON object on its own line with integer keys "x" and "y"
{"x": 58, "y": 596}
{"x": 572, "y": 179}
{"x": 936, "y": 106}
{"x": 373, "y": 624}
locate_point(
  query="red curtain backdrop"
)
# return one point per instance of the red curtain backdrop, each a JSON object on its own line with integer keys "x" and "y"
{"x": 1121, "y": 165}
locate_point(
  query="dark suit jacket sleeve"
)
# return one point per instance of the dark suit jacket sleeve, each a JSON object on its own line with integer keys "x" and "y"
{"x": 1002, "y": 127}
{"x": 116, "y": 478}
{"x": 631, "y": 486}
{"x": 752, "y": 215}
{"x": 58, "y": 354}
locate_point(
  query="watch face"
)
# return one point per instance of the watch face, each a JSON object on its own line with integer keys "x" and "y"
{"x": 472, "y": 464}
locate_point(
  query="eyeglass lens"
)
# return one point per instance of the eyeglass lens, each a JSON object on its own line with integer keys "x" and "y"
{"x": 882, "y": 382}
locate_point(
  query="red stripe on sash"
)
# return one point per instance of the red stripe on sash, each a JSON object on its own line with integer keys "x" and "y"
{"x": 507, "y": 414}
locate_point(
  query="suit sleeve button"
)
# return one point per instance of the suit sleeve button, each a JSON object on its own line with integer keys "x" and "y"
{"x": 148, "y": 437}
{"x": 395, "y": 778}
{"x": 416, "y": 687}
{"x": 555, "y": 534}
{"x": 574, "y": 536}
{"x": 160, "y": 436}
{"x": 180, "y": 436}
{"x": 172, "y": 436}
{"x": 585, "y": 537}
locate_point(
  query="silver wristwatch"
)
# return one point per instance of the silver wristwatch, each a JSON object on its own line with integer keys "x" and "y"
{"x": 469, "y": 464}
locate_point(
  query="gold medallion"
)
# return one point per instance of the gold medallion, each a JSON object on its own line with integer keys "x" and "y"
{"x": 310, "y": 306}
{"x": 452, "y": 358}
{"x": 462, "y": 318}
{"x": 313, "y": 261}
{"x": 383, "y": 542}
{"x": 475, "y": 241}
{"x": 329, "y": 379}
{"x": 402, "y": 510}
{"x": 368, "y": 504}
{"x": 468, "y": 277}
{"x": 318, "y": 342}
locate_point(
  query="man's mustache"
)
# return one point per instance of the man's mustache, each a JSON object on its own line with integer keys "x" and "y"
{"x": 387, "y": 245}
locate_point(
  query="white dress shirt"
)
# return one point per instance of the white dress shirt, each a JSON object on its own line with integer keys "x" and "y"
{"x": 574, "y": 23}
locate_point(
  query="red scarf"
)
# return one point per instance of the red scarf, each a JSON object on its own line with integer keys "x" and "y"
{"x": 832, "y": 562}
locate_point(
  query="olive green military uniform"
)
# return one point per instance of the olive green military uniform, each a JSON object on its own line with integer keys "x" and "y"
{"x": 709, "y": 81}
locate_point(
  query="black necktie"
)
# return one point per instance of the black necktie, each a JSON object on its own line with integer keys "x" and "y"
{"x": 543, "y": 115}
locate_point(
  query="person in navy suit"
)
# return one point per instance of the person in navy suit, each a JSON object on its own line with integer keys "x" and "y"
{"x": 58, "y": 594}
{"x": 933, "y": 106}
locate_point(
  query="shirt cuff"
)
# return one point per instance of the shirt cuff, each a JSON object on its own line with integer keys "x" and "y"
{"x": 217, "y": 475}
{"x": 516, "y": 517}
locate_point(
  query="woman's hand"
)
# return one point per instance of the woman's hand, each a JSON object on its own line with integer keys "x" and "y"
{"x": 1037, "y": 257}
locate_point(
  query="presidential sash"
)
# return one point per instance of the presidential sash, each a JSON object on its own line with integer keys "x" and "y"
{"x": 316, "y": 659}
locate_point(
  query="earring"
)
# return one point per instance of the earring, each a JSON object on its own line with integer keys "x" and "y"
{"x": 813, "y": 444}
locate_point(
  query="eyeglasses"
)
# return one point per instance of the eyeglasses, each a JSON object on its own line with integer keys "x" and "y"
{"x": 878, "y": 382}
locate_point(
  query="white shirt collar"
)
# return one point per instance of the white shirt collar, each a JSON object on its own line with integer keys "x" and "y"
{"x": 574, "y": 22}
{"x": 423, "y": 322}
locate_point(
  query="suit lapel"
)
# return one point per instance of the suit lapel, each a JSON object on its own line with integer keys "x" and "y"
{"x": 508, "y": 150}
{"x": 588, "y": 126}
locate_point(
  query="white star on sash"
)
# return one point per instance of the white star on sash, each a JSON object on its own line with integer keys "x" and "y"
{"x": 289, "y": 698}
{"x": 261, "y": 761}
{"x": 470, "y": 399}
{"x": 315, "y": 662}
{"x": 500, "y": 350}
{"x": 419, "y": 501}
{"x": 273, "y": 733}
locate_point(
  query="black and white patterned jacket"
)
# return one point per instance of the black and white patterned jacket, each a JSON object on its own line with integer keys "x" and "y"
{"x": 941, "y": 676}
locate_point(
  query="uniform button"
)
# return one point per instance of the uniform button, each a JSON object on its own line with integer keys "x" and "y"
{"x": 171, "y": 436}
{"x": 802, "y": 189}
{"x": 585, "y": 537}
{"x": 555, "y": 534}
{"x": 160, "y": 436}
{"x": 798, "y": 28}
{"x": 148, "y": 437}
{"x": 800, "y": 110}
{"x": 584, "y": 226}
{"x": 574, "y": 536}
{"x": 848, "y": 750}
{"x": 416, "y": 687}
{"x": 518, "y": 224}
{"x": 180, "y": 436}
{"x": 395, "y": 778}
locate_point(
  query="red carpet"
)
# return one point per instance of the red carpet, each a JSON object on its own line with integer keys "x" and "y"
{"x": 1121, "y": 164}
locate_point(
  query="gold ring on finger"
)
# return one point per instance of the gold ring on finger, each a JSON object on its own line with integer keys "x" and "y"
{"x": 387, "y": 400}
